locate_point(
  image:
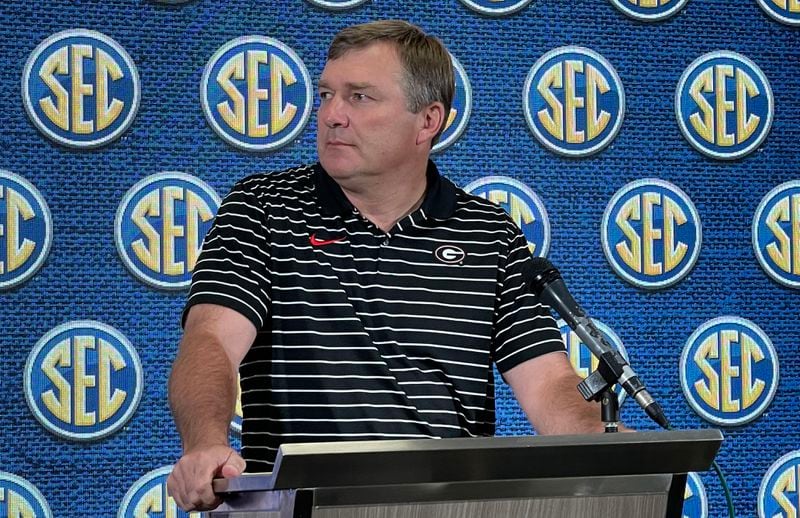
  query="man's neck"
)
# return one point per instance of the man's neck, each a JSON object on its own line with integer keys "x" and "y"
{"x": 385, "y": 201}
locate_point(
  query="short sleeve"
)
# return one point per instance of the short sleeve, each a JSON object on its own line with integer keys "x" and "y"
{"x": 523, "y": 326}
{"x": 233, "y": 267}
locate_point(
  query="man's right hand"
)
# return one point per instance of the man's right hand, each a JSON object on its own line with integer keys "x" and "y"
{"x": 190, "y": 481}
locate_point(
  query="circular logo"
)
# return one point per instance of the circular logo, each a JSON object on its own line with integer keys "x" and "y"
{"x": 776, "y": 234}
{"x": 148, "y": 496}
{"x": 160, "y": 226}
{"x": 574, "y": 101}
{"x": 80, "y": 88}
{"x": 460, "y": 110}
{"x": 583, "y": 361}
{"x": 778, "y": 492}
{"x": 522, "y": 204}
{"x": 256, "y": 93}
{"x": 83, "y": 380}
{"x": 649, "y": 10}
{"x": 337, "y": 5}
{"x": 496, "y": 7}
{"x": 729, "y": 371}
{"x": 449, "y": 254}
{"x": 724, "y": 105}
{"x": 784, "y": 11}
{"x": 18, "y": 497}
{"x": 695, "y": 501}
{"x": 26, "y": 228}
{"x": 651, "y": 233}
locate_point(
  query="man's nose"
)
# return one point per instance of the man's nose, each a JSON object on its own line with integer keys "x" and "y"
{"x": 334, "y": 113}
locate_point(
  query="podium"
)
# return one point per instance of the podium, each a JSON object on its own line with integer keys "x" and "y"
{"x": 640, "y": 474}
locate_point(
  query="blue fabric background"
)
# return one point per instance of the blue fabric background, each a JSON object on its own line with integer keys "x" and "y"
{"x": 84, "y": 278}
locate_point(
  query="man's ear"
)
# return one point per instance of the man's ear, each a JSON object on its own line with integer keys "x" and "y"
{"x": 433, "y": 118}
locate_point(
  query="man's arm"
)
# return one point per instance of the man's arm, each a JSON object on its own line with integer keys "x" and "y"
{"x": 546, "y": 389}
{"x": 202, "y": 395}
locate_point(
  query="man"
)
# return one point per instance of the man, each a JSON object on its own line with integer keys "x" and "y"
{"x": 364, "y": 297}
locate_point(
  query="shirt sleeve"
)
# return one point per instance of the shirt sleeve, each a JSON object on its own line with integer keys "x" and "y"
{"x": 233, "y": 267}
{"x": 523, "y": 326}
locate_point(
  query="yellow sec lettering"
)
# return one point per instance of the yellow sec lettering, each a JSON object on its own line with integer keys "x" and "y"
{"x": 786, "y": 483}
{"x": 723, "y": 105}
{"x": 197, "y": 212}
{"x": 17, "y": 208}
{"x": 793, "y": 6}
{"x": 786, "y": 252}
{"x": 450, "y": 118}
{"x": 572, "y": 101}
{"x": 632, "y": 256}
{"x": 255, "y": 58}
{"x": 59, "y": 405}
{"x": 650, "y": 233}
{"x": 704, "y": 126}
{"x": 151, "y": 501}
{"x": 18, "y": 507}
{"x": 728, "y": 370}
{"x": 80, "y": 89}
{"x": 552, "y": 123}
{"x": 68, "y": 110}
{"x": 171, "y": 230}
{"x": 709, "y": 392}
{"x": 232, "y": 69}
{"x": 746, "y": 124}
{"x": 82, "y": 381}
{"x": 280, "y": 74}
{"x": 595, "y": 83}
{"x": 751, "y": 353}
{"x": 108, "y": 360}
{"x": 517, "y": 209}
{"x": 673, "y": 216}
{"x": 105, "y": 68}
{"x": 149, "y": 254}
{"x": 56, "y": 63}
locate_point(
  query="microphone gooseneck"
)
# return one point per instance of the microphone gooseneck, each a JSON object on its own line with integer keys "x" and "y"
{"x": 546, "y": 282}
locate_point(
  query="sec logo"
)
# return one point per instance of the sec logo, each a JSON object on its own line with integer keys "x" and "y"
{"x": 256, "y": 93}
{"x": 26, "y": 230}
{"x": 583, "y": 361}
{"x": 779, "y": 492}
{"x": 522, "y": 204}
{"x": 337, "y": 5}
{"x": 459, "y": 111}
{"x": 20, "y": 499}
{"x": 574, "y": 101}
{"x": 80, "y": 88}
{"x": 695, "y": 501}
{"x": 160, "y": 226}
{"x": 496, "y": 7}
{"x": 649, "y": 10}
{"x": 148, "y": 497}
{"x": 651, "y": 233}
{"x": 83, "y": 380}
{"x": 776, "y": 234}
{"x": 729, "y": 371}
{"x": 784, "y": 11}
{"x": 724, "y": 105}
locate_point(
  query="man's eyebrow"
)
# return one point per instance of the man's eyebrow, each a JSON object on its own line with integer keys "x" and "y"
{"x": 349, "y": 86}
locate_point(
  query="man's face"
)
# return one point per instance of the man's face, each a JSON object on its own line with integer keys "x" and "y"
{"x": 364, "y": 126}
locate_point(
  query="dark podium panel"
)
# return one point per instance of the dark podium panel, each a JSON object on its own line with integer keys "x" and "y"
{"x": 639, "y": 474}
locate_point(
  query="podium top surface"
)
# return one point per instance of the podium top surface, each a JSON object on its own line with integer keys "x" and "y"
{"x": 370, "y": 463}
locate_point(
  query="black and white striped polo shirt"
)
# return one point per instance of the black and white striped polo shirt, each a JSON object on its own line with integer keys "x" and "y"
{"x": 366, "y": 334}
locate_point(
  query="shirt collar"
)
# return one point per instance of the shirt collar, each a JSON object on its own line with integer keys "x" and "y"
{"x": 439, "y": 202}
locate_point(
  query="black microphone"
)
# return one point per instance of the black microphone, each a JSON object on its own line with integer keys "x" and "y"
{"x": 546, "y": 282}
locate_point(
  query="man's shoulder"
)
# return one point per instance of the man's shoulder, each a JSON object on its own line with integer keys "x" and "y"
{"x": 298, "y": 178}
{"x": 474, "y": 206}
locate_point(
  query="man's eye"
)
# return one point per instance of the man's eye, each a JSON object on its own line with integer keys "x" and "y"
{"x": 324, "y": 95}
{"x": 360, "y": 97}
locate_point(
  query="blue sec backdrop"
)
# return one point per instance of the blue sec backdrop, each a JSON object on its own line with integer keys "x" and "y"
{"x": 651, "y": 134}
